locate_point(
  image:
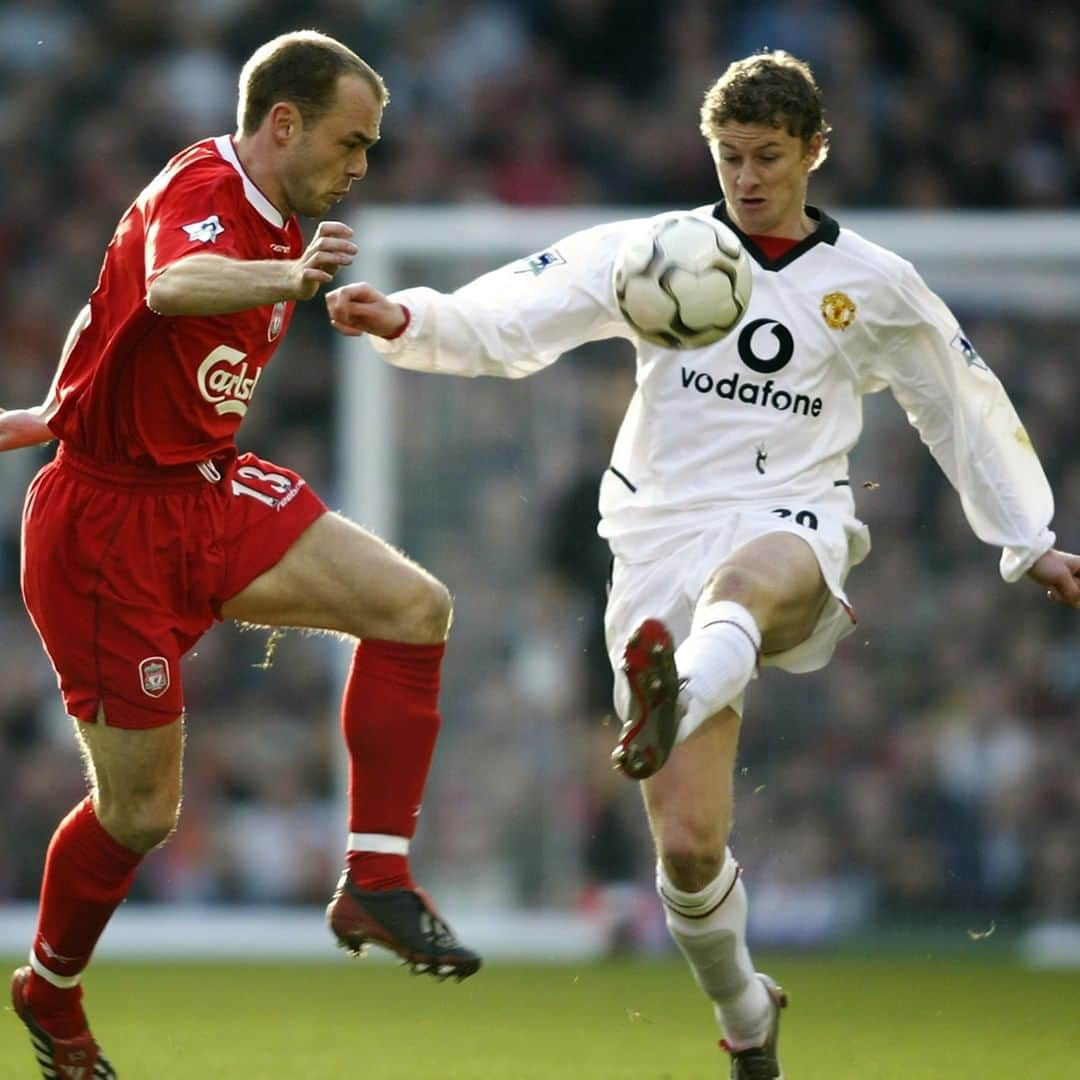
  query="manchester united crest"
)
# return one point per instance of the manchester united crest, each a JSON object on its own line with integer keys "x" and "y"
{"x": 838, "y": 310}
{"x": 154, "y": 675}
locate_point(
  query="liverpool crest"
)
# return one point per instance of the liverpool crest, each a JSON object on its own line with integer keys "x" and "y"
{"x": 154, "y": 675}
{"x": 277, "y": 320}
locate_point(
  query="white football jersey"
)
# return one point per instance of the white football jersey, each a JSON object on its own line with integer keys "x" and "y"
{"x": 768, "y": 415}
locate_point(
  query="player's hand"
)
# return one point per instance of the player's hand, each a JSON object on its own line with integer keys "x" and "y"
{"x": 329, "y": 250}
{"x": 22, "y": 427}
{"x": 1059, "y": 573}
{"x": 362, "y": 309}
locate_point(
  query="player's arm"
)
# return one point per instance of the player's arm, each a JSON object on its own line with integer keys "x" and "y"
{"x": 23, "y": 427}
{"x": 511, "y": 322}
{"x": 207, "y": 284}
{"x": 967, "y": 421}
{"x": 29, "y": 427}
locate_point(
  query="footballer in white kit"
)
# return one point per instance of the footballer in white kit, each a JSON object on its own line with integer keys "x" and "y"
{"x": 751, "y": 434}
{"x": 727, "y": 503}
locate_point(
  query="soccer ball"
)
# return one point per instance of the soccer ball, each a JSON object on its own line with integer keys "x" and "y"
{"x": 682, "y": 281}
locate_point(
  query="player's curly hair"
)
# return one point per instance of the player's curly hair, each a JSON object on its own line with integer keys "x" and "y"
{"x": 767, "y": 88}
{"x": 302, "y": 67}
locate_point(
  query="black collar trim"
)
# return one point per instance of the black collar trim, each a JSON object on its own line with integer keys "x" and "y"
{"x": 827, "y": 232}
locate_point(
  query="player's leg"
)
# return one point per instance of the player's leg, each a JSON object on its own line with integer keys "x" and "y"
{"x": 339, "y": 577}
{"x": 764, "y": 597}
{"x": 765, "y": 594}
{"x": 136, "y": 777}
{"x": 89, "y": 869}
{"x": 689, "y": 805}
{"x": 85, "y": 538}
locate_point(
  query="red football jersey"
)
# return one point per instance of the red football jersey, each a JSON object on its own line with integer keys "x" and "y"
{"x": 144, "y": 388}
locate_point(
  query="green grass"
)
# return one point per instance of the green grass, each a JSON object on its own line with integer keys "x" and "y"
{"x": 852, "y": 1018}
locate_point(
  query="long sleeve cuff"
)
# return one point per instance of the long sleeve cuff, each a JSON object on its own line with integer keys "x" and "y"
{"x": 1017, "y": 561}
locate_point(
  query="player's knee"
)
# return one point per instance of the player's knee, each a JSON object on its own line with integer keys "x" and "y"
{"x": 772, "y": 609}
{"x": 140, "y": 822}
{"x": 692, "y": 857}
{"x": 425, "y": 614}
{"x": 737, "y": 583}
{"x": 439, "y": 609}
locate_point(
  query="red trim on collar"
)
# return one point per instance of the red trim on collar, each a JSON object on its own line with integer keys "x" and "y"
{"x": 774, "y": 247}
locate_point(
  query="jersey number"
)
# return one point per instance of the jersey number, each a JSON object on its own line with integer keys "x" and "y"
{"x": 271, "y": 488}
{"x": 802, "y": 517}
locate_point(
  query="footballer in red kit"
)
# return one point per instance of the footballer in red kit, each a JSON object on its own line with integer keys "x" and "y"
{"x": 147, "y": 526}
{"x": 137, "y": 388}
{"x": 135, "y": 402}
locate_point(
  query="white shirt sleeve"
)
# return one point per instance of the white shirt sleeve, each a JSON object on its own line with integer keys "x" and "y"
{"x": 518, "y": 319}
{"x": 967, "y": 421}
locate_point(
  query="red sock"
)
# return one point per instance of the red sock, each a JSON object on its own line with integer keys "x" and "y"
{"x": 87, "y": 874}
{"x": 390, "y": 717}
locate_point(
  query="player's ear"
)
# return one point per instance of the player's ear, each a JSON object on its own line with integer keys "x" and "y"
{"x": 812, "y": 158}
{"x": 284, "y": 121}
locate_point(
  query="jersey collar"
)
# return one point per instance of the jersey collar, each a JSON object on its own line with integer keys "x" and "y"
{"x": 826, "y": 233}
{"x": 257, "y": 199}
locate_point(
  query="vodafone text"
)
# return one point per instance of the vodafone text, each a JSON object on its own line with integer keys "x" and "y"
{"x": 734, "y": 388}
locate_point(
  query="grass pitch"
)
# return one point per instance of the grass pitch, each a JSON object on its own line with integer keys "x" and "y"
{"x": 880, "y": 1018}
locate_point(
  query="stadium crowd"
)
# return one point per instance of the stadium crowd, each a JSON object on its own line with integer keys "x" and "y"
{"x": 933, "y": 768}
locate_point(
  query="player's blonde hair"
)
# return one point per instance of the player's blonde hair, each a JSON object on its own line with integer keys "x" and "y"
{"x": 772, "y": 88}
{"x": 301, "y": 67}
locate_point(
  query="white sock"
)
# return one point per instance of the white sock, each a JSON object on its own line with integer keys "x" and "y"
{"x": 710, "y": 929}
{"x": 717, "y": 660}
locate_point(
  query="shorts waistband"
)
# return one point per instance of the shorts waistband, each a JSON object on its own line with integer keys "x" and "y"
{"x": 127, "y": 474}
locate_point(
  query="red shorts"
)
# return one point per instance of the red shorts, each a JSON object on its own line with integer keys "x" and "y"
{"x": 124, "y": 569}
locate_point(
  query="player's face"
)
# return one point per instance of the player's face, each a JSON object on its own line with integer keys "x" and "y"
{"x": 763, "y": 172}
{"x": 331, "y": 152}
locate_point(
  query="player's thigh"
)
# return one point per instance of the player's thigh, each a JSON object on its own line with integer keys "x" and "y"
{"x": 338, "y": 576}
{"x": 777, "y": 576}
{"x": 689, "y": 801}
{"x": 115, "y": 581}
{"x": 136, "y": 771}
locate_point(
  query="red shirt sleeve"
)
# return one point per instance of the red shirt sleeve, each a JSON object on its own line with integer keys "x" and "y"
{"x": 197, "y": 212}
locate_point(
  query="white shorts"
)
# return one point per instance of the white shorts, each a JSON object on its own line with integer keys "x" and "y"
{"x": 668, "y": 588}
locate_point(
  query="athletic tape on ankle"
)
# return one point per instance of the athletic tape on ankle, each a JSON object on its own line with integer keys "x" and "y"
{"x": 380, "y": 843}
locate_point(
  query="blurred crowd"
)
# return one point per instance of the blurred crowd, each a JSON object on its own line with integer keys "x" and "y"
{"x": 933, "y": 768}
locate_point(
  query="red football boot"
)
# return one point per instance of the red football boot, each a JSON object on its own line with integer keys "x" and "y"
{"x": 78, "y": 1058}
{"x": 403, "y": 921}
{"x": 647, "y": 737}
